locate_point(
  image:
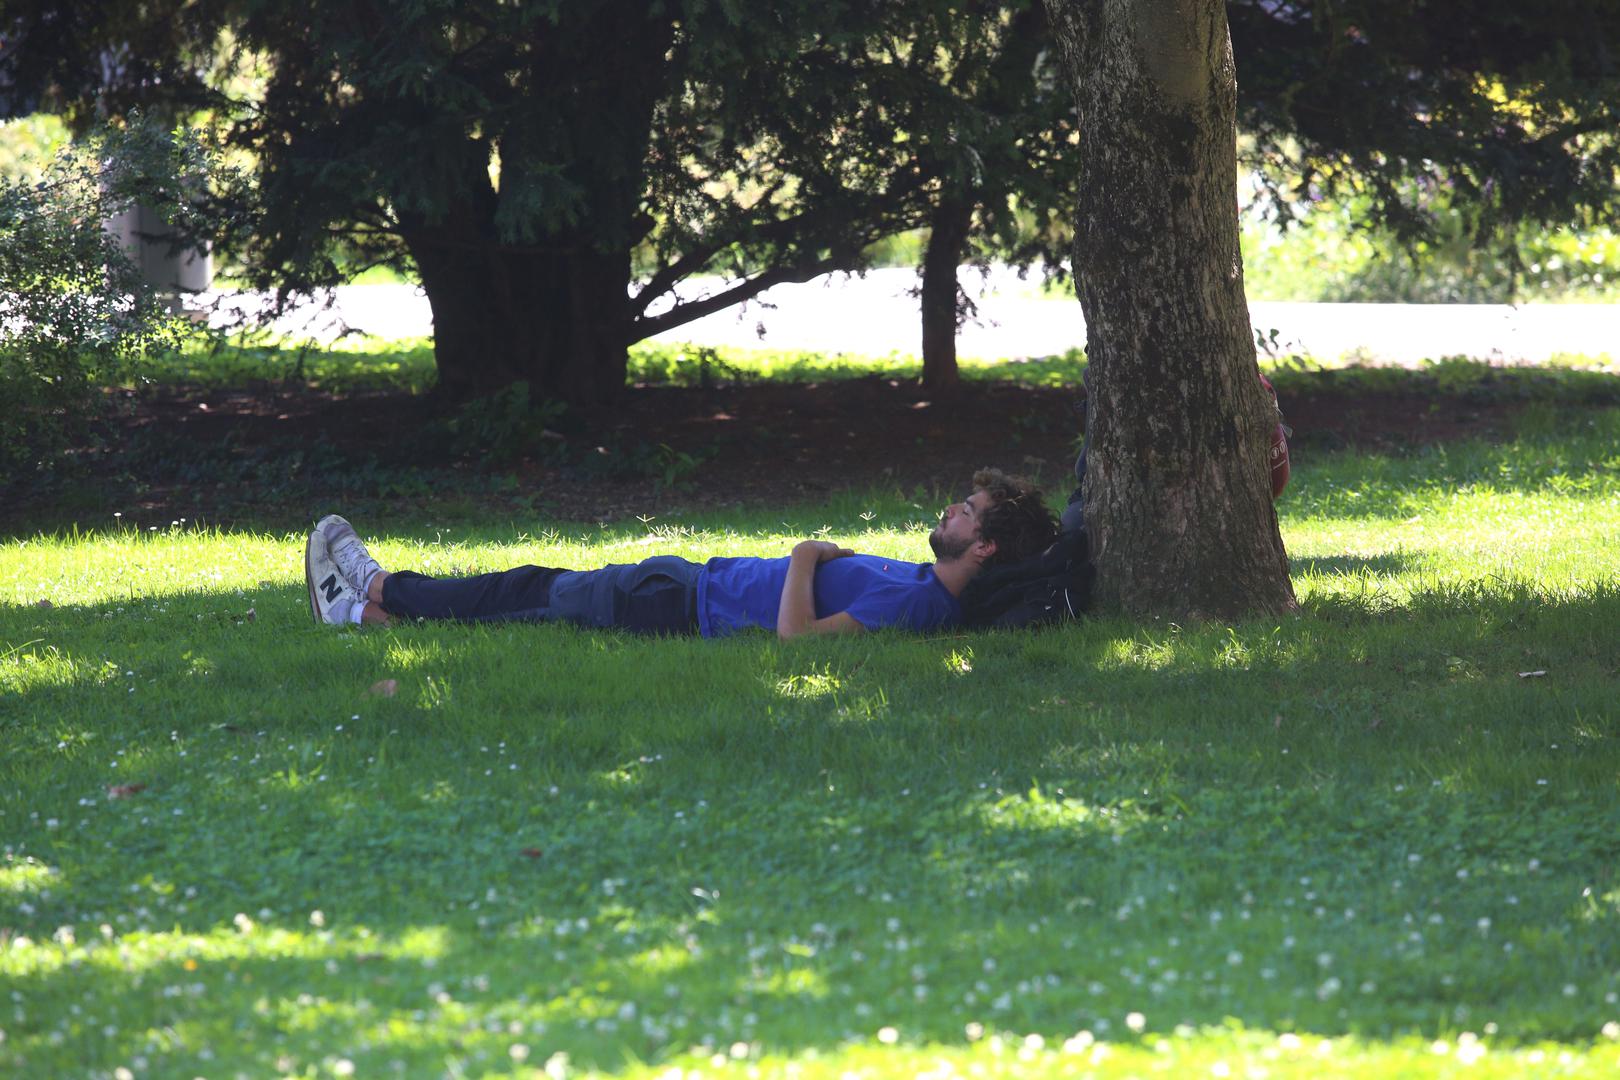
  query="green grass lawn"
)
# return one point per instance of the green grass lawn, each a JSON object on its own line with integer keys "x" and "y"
{"x": 407, "y": 366}
{"x": 1370, "y": 840}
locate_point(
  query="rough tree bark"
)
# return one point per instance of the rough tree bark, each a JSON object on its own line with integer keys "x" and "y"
{"x": 557, "y": 320}
{"x": 550, "y": 308}
{"x": 1177, "y": 488}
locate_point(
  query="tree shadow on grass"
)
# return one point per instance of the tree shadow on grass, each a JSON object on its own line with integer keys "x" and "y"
{"x": 808, "y": 922}
{"x": 1453, "y": 651}
{"x": 643, "y": 845}
{"x": 284, "y": 487}
{"x": 1391, "y": 562}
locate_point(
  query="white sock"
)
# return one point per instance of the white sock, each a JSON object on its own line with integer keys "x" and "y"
{"x": 359, "y": 610}
{"x": 365, "y": 586}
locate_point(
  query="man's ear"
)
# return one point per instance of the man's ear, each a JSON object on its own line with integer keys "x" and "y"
{"x": 986, "y": 549}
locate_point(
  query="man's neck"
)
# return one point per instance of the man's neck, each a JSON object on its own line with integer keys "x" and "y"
{"x": 956, "y": 574}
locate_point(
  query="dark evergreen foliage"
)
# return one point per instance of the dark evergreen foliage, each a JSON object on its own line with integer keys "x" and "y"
{"x": 555, "y": 170}
{"x": 1509, "y": 106}
{"x": 522, "y": 156}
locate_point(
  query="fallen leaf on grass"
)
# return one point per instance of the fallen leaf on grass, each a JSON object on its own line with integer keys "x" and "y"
{"x": 531, "y": 853}
{"x": 45, "y": 604}
{"x": 251, "y": 615}
{"x": 124, "y": 791}
{"x": 267, "y": 584}
{"x": 1532, "y": 674}
{"x": 384, "y": 688}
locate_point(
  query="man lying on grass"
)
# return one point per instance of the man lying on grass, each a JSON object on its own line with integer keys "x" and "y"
{"x": 819, "y": 589}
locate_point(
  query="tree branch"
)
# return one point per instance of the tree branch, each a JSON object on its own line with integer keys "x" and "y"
{"x": 852, "y": 240}
{"x": 680, "y": 314}
{"x": 665, "y": 279}
{"x": 693, "y": 261}
{"x": 1570, "y": 131}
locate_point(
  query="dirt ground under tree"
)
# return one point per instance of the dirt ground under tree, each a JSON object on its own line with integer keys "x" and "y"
{"x": 667, "y": 448}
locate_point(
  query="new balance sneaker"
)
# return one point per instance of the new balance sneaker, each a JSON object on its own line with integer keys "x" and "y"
{"x": 348, "y": 552}
{"x": 331, "y": 598}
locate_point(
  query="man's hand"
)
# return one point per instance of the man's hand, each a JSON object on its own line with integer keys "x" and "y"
{"x": 823, "y": 550}
{"x": 797, "y": 613}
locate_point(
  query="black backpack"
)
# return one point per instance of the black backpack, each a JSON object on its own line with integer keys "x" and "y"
{"x": 1049, "y": 587}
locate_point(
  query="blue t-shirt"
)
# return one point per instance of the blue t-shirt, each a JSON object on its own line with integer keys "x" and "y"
{"x": 877, "y": 592}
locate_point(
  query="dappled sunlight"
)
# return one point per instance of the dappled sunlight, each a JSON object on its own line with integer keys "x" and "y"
{"x": 862, "y": 709}
{"x": 440, "y": 793}
{"x": 108, "y": 949}
{"x": 1134, "y": 652}
{"x": 294, "y": 778}
{"x": 1207, "y": 649}
{"x": 1137, "y": 1045}
{"x": 628, "y": 774}
{"x": 809, "y": 685}
{"x": 1069, "y": 815}
{"x": 25, "y": 669}
{"x": 404, "y": 655}
{"x": 426, "y": 1000}
{"x": 665, "y": 961}
{"x": 27, "y": 876}
{"x": 799, "y": 983}
{"x": 1368, "y": 837}
{"x": 1019, "y": 930}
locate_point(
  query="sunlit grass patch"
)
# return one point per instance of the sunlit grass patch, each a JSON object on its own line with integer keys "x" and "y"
{"x": 344, "y": 366}
{"x": 22, "y": 669}
{"x": 1573, "y": 378}
{"x": 407, "y": 365}
{"x": 28, "y": 876}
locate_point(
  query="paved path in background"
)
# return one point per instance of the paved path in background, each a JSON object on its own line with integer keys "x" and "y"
{"x": 878, "y": 315}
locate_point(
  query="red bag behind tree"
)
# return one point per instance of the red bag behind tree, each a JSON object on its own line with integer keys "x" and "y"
{"x": 1279, "y": 444}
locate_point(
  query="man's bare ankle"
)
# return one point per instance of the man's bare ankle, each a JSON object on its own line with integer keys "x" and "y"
{"x": 375, "y": 586}
{"x": 373, "y": 614}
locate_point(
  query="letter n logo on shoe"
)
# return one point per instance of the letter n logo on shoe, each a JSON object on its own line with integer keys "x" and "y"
{"x": 331, "y": 588}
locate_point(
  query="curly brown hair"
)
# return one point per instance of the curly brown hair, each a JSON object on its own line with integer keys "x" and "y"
{"x": 1017, "y": 519}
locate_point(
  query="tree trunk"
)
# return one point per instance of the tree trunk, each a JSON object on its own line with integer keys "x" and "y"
{"x": 555, "y": 319}
{"x": 1177, "y": 489}
{"x": 547, "y": 304}
{"x": 1007, "y": 85}
{"x": 941, "y": 295}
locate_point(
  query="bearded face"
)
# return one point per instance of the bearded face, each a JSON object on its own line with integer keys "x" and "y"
{"x": 949, "y": 548}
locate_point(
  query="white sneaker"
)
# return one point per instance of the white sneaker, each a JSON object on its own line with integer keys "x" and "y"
{"x": 348, "y": 552}
{"x": 331, "y": 598}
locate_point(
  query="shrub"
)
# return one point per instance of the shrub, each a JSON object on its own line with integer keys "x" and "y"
{"x": 75, "y": 315}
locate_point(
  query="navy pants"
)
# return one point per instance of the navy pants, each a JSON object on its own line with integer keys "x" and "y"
{"x": 655, "y": 596}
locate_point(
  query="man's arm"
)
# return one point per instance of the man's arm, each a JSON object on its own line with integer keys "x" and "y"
{"x": 797, "y": 613}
